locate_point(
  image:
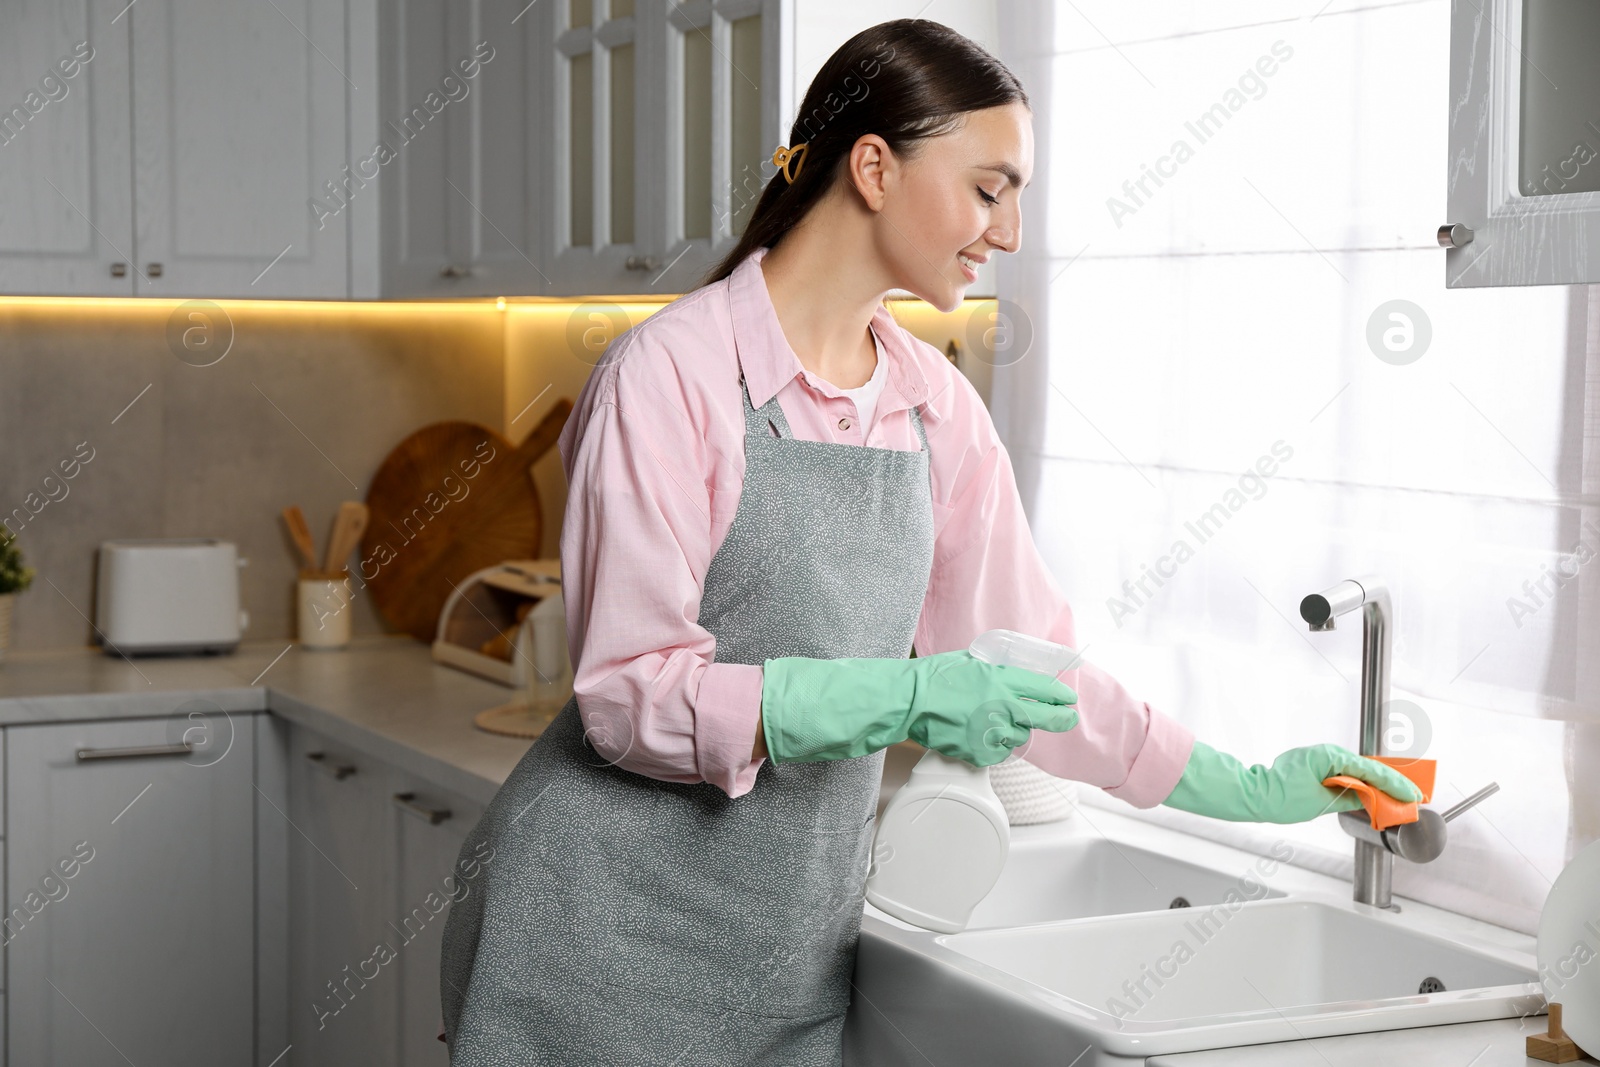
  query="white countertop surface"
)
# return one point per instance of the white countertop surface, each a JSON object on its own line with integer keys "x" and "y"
{"x": 383, "y": 694}
{"x": 1498, "y": 1043}
{"x": 387, "y": 696}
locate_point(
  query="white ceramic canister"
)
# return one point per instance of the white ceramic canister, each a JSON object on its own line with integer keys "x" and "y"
{"x": 324, "y": 610}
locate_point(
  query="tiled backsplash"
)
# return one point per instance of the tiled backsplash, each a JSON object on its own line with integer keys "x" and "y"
{"x": 262, "y": 405}
{"x": 300, "y": 409}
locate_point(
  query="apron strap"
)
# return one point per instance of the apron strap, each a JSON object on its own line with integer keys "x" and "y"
{"x": 916, "y": 424}
{"x": 756, "y": 420}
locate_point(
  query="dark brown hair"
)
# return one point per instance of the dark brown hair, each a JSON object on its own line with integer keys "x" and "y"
{"x": 905, "y": 80}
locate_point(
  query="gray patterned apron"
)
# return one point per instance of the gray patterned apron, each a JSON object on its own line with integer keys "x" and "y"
{"x": 626, "y": 920}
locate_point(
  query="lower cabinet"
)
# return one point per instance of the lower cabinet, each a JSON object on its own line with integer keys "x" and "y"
{"x": 130, "y": 878}
{"x": 430, "y": 844}
{"x": 371, "y": 871}
{"x": 212, "y": 888}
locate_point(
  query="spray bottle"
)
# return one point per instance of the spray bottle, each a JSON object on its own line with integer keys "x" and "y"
{"x": 943, "y": 839}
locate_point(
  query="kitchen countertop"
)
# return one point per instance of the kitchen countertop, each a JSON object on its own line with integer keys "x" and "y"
{"x": 383, "y": 694}
{"x": 387, "y": 696}
{"x": 1496, "y": 1043}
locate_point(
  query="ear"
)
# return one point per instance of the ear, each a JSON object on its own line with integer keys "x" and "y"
{"x": 872, "y": 165}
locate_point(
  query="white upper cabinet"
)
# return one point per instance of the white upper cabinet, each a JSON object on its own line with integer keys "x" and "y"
{"x": 361, "y": 149}
{"x": 1524, "y": 169}
{"x": 239, "y": 147}
{"x": 181, "y": 154}
{"x": 66, "y": 202}
{"x": 659, "y": 118}
{"x": 574, "y": 147}
{"x": 448, "y": 146}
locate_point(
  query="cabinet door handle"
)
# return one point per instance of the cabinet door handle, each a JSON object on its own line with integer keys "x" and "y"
{"x": 407, "y": 802}
{"x": 340, "y": 771}
{"x": 456, "y": 270}
{"x": 181, "y": 749}
{"x": 152, "y": 270}
{"x": 641, "y": 263}
{"x": 119, "y": 270}
{"x": 1454, "y": 235}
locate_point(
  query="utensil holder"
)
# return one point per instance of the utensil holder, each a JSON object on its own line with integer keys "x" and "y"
{"x": 324, "y": 609}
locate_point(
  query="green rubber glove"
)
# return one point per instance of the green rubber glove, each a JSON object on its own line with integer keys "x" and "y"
{"x": 951, "y": 702}
{"x": 1291, "y": 790}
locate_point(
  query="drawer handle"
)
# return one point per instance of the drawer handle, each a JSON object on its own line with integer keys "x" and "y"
{"x": 182, "y": 749}
{"x": 407, "y": 802}
{"x": 340, "y": 771}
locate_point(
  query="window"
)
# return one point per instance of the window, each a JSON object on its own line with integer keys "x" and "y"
{"x": 1247, "y": 382}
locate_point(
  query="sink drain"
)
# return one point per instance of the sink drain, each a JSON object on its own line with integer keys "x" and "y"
{"x": 1178, "y": 902}
{"x": 1431, "y": 984}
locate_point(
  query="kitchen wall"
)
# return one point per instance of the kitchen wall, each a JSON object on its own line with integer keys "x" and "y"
{"x": 300, "y": 409}
{"x": 280, "y": 403}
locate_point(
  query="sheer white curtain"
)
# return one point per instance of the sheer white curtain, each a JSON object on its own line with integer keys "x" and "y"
{"x": 1214, "y": 411}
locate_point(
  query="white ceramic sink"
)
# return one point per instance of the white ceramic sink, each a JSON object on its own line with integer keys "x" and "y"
{"x": 1266, "y": 952}
{"x": 1210, "y": 967}
{"x": 1046, "y": 881}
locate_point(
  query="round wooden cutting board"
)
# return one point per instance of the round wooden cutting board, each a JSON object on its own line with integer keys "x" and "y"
{"x": 450, "y": 500}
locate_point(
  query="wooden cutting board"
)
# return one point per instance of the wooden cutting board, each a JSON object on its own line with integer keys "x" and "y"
{"x": 451, "y": 499}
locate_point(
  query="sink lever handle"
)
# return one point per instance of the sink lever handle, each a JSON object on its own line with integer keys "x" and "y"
{"x": 1481, "y": 795}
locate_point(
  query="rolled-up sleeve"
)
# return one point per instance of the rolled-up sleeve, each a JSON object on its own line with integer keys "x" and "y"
{"x": 988, "y": 574}
{"x": 635, "y": 546}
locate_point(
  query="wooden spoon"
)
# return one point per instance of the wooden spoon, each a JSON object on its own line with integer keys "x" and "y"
{"x": 348, "y": 526}
{"x": 300, "y": 531}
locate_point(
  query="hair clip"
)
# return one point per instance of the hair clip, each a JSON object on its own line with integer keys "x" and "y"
{"x": 783, "y": 156}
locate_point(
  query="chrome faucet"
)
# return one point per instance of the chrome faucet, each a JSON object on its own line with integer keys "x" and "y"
{"x": 1421, "y": 841}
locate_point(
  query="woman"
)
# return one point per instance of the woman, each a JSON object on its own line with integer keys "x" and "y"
{"x": 776, "y": 495}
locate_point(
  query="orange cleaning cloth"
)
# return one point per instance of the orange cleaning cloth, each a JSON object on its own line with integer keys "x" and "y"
{"x": 1384, "y": 810}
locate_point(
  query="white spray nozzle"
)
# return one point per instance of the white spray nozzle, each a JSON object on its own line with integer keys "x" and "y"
{"x": 1011, "y": 649}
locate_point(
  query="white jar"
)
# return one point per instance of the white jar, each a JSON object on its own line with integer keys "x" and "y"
{"x": 543, "y": 658}
{"x": 324, "y": 611}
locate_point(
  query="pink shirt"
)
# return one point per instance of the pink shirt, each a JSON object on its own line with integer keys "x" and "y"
{"x": 654, "y": 458}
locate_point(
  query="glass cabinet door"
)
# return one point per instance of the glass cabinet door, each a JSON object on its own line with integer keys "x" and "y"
{"x": 1558, "y": 110}
{"x": 725, "y": 118}
{"x": 596, "y": 128}
{"x": 665, "y": 116}
{"x": 1524, "y": 167}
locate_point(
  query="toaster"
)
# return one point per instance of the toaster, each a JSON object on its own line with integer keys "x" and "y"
{"x": 169, "y": 595}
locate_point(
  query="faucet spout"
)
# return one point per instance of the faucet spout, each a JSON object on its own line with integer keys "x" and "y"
{"x": 1373, "y": 863}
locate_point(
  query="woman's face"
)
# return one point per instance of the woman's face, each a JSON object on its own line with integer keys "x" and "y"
{"x": 942, "y": 210}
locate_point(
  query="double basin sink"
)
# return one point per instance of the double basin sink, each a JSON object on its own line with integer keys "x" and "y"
{"x": 1108, "y": 940}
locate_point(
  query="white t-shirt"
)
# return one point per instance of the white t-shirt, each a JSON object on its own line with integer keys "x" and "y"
{"x": 866, "y": 396}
